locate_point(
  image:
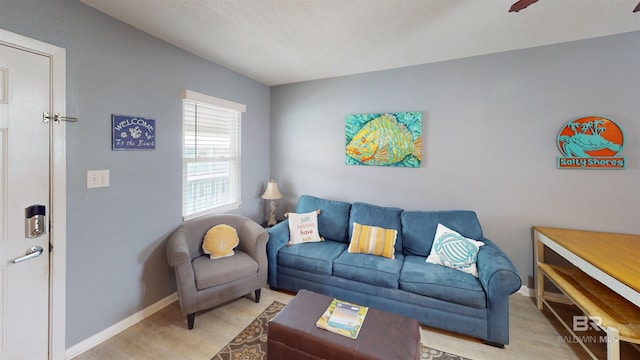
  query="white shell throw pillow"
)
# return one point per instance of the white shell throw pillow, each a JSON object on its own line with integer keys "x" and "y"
{"x": 454, "y": 250}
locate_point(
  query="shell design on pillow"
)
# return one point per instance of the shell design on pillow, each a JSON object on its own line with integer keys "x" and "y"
{"x": 219, "y": 241}
{"x": 455, "y": 250}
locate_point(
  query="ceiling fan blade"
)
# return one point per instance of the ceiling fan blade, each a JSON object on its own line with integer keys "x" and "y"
{"x": 637, "y": 8}
{"x": 521, "y": 4}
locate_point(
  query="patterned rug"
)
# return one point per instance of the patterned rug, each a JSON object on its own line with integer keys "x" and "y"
{"x": 251, "y": 343}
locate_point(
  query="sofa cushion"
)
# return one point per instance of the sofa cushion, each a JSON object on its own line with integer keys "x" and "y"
{"x": 315, "y": 257}
{"x": 420, "y": 277}
{"x": 369, "y": 269}
{"x": 384, "y": 217}
{"x": 419, "y": 228}
{"x": 373, "y": 240}
{"x": 333, "y": 224}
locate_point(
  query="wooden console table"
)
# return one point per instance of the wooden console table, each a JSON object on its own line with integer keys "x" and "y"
{"x": 605, "y": 283}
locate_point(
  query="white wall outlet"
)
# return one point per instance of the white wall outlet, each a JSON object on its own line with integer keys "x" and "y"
{"x": 97, "y": 178}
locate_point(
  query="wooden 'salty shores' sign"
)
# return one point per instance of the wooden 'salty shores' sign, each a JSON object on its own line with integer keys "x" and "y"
{"x": 591, "y": 142}
{"x": 133, "y": 133}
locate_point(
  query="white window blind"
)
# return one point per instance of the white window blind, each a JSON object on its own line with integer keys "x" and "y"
{"x": 210, "y": 155}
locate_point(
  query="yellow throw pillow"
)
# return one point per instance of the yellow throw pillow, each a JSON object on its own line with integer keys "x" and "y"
{"x": 219, "y": 241}
{"x": 373, "y": 240}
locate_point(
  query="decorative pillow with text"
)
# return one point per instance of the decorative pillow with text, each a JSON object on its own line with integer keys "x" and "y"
{"x": 303, "y": 228}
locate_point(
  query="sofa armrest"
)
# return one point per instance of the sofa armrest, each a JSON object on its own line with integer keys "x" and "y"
{"x": 495, "y": 271}
{"x": 177, "y": 250}
{"x": 179, "y": 259}
{"x": 278, "y": 238}
{"x": 253, "y": 240}
{"x": 499, "y": 279}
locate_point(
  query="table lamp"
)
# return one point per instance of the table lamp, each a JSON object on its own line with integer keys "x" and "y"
{"x": 272, "y": 193}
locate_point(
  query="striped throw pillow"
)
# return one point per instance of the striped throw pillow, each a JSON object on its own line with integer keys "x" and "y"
{"x": 373, "y": 240}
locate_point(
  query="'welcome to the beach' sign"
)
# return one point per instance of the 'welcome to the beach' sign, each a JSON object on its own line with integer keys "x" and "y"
{"x": 133, "y": 133}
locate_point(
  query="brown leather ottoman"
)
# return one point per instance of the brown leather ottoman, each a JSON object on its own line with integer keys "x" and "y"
{"x": 293, "y": 334}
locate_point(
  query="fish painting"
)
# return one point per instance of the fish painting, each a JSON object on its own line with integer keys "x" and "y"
{"x": 384, "y": 139}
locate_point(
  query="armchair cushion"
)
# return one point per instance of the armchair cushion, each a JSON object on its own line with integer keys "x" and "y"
{"x": 225, "y": 270}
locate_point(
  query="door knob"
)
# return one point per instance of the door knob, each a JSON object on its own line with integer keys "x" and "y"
{"x": 30, "y": 254}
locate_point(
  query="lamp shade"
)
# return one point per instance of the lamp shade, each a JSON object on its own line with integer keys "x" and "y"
{"x": 272, "y": 192}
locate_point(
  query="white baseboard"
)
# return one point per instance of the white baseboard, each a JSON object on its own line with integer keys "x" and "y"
{"x": 115, "y": 329}
{"x": 551, "y": 296}
{"x": 526, "y": 291}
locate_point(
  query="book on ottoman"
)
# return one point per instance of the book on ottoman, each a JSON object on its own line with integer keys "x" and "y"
{"x": 343, "y": 318}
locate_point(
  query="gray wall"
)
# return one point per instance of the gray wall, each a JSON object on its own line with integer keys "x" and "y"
{"x": 489, "y": 139}
{"x": 489, "y": 145}
{"x": 116, "y": 263}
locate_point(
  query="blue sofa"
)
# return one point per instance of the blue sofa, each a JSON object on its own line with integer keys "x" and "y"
{"x": 435, "y": 295}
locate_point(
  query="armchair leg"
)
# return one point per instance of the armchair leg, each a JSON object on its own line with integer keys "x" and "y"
{"x": 191, "y": 318}
{"x": 257, "y": 293}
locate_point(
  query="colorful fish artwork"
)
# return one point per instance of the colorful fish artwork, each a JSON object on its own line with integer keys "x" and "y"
{"x": 390, "y": 139}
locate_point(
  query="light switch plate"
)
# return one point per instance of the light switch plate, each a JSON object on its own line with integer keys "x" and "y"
{"x": 97, "y": 178}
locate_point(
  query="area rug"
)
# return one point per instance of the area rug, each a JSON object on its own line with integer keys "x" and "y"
{"x": 251, "y": 343}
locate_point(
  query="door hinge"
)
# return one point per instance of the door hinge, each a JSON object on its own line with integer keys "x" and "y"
{"x": 50, "y": 243}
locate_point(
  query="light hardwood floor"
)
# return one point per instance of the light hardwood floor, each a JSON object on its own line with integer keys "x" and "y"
{"x": 534, "y": 334}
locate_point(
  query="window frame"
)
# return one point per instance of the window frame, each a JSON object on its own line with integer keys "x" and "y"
{"x": 234, "y": 158}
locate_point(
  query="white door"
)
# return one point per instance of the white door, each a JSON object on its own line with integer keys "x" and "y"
{"x": 24, "y": 182}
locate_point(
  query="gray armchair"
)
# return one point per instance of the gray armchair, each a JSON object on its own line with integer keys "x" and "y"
{"x": 204, "y": 283}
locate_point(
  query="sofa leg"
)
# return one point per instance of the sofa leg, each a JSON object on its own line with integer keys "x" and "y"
{"x": 498, "y": 345}
{"x": 191, "y": 319}
{"x": 257, "y": 294}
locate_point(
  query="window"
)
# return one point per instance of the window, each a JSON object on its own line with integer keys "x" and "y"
{"x": 210, "y": 154}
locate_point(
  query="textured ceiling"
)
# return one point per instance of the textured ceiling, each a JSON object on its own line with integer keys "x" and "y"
{"x": 284, "y": 41}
